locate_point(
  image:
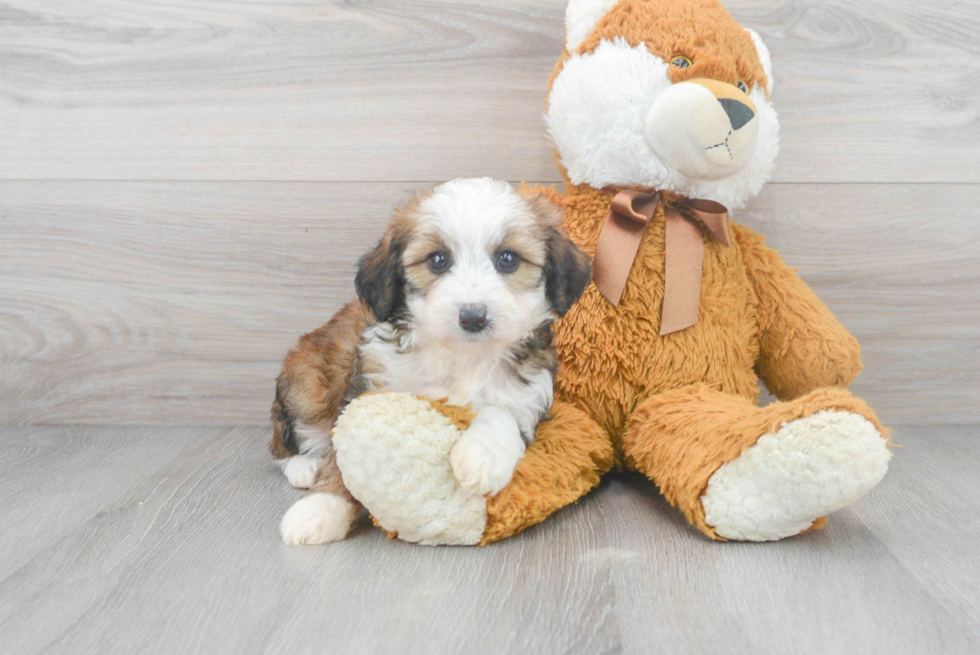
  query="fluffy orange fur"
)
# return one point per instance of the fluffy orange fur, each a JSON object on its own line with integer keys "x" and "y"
{"x": 701, "y": 30}
{"x": 568, "y": 456}
{"x": 677, "y": 407}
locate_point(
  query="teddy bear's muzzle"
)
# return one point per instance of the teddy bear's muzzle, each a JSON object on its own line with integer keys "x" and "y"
{"x": 704, "y": 128}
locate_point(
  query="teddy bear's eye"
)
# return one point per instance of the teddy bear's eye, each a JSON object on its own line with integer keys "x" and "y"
{"x": 680, "y": 61}
{"x": 742, "y": 87}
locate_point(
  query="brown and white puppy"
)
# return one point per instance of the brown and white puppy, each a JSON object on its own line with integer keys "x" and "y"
{"x": 456, "y": 302}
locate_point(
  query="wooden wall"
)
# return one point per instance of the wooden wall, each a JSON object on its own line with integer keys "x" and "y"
{"x": 185, "y": 186}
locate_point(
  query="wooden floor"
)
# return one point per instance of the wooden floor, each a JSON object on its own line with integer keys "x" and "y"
{"x": 164, "y": 540}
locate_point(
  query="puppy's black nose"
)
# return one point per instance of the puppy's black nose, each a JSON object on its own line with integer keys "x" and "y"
{"x": 738, "y": 113}
{"x": 473, "y": 318}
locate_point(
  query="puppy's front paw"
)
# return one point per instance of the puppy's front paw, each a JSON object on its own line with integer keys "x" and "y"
{"x": 480, "y": 467}
{"x": 317, "y": 519}
{"x": 300, "y": 470}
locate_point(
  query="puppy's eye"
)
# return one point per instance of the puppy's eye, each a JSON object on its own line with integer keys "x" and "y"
{"x": 439, "y": 262}
{"x": 742, "y": 87}
{"x": 681, "y": 61}
{"x": 506, "y": 261}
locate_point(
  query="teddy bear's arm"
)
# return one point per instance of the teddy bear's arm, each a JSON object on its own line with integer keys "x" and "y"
{"x": 802, "y": 345}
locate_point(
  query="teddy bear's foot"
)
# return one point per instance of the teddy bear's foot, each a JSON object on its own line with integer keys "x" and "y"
{"x": 740, "y": 471}
{"x": 808, "y": 468}
{"x": 317, "y": 518}
{"x": 398, "y": 453}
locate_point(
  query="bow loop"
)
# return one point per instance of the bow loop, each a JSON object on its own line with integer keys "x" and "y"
{"x": 620, "y": 238}
{"x": 713, "y": 216}
{"x": 636, "y": 205}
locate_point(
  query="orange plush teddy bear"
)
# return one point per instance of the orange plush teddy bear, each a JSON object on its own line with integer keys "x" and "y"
{"x": 661, "y": 118}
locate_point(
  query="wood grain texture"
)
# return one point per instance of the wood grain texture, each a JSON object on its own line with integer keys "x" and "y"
{"x": 142, "y": 302}
{"x": 169, "y": 302}
{"x": 181, "y": 555}
{"x": 71, "y": 473}
{"x": 900, "y": 266}
{"x": 876, "y": 91}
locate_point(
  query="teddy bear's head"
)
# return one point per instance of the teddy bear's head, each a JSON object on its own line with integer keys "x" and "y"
{"x": 668, "y": 95}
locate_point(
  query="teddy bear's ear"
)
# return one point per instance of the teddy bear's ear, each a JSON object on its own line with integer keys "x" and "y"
{"x": 764, "y": 58}
{"x": 581, "y": 17}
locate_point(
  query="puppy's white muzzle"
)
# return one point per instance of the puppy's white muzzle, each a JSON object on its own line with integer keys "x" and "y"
{"x": 704, "y": 128}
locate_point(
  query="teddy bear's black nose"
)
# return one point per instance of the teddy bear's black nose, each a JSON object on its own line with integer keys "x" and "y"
{"x": 473, "y": 318}
{"x": 738, "y": 113}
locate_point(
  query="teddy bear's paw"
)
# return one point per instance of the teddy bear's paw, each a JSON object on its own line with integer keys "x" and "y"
{"x": 300, "y": 470}
{"x": 807, "y": 469}
{"x": 317, "y": 519}
{"x": 480, "y": 466}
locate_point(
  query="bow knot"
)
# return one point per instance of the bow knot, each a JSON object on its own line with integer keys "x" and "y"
{"x": 684, "y": 244}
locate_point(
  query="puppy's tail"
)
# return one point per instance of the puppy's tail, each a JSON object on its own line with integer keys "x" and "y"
{"x": 284, "y": 443}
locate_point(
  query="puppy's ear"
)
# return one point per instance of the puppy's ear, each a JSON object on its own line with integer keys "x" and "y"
{"x": 566, "y": 269}
{"x": 566, "y": 272}
{"x": 380, "y": 280}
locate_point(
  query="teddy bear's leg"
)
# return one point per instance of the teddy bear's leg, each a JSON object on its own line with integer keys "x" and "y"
{"x": 739, "y": 471}
{"x": 569, "y": 454}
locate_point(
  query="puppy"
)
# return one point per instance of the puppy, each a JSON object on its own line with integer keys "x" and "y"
{"x": 455, "y": 302}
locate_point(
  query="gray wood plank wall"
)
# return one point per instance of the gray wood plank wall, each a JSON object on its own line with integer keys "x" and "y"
{"x": 184, "y": 187}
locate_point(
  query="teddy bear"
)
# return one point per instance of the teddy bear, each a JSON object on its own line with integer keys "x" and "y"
{"x": 661, "y": 118}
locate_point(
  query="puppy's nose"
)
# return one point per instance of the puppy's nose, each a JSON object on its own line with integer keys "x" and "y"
{"x": 473, "y": 318}
{"x": 738, "y": 113}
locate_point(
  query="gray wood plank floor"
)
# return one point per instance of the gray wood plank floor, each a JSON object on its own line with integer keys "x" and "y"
{"x": 164, "y": 540}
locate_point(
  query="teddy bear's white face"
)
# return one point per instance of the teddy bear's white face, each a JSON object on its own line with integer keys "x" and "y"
{"x": 617, "y": 119}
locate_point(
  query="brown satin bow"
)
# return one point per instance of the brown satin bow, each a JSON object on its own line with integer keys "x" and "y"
{"x": 684, "y": 244}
